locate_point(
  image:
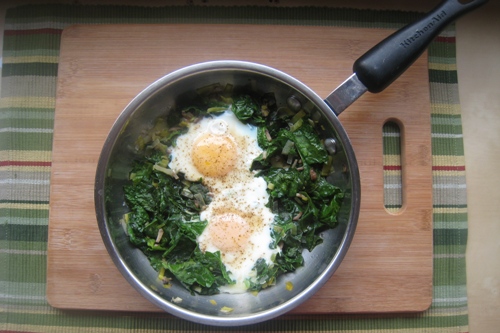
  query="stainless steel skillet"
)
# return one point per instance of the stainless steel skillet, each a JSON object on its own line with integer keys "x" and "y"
{"x": 373, "y": 72}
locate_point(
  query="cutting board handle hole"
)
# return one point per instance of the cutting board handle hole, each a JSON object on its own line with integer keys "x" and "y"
{"x": 392, "y": 136}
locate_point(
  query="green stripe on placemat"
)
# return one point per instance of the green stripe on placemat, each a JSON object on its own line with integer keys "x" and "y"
{"x": 30, "y": 54}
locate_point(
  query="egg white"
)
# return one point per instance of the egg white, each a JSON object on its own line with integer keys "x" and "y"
{"x": 238, "y": 192}
{"x": 226, "y": 123}
{"x": 248, "y": 198}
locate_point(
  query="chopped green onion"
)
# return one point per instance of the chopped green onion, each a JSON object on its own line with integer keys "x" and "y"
{"x": 208, "y": 89}
{"x": 159, "y": 236}
{"x": 287, "y": 147}
{"x": 298, "y": 115}
{"x": 199, "y": 198}
{"x": 176, "y": 299}
{"x": 216, "y": 109}
{"x": 264, "y": 110}
{"x": 295, "y": 126}
{"x": 226, "y": 309}
{"x": 227, "y": 100}
{"x": 187, "y": 193}
{"x": 161, "y": 275}
{"x": 268, "y": 135}
{"x": 301, "y": 196}
{"x": 164, "y": 162}
{"x": 157, "y": 145}
{"x": 141, "y": 142}
{"x": 168, "y": 172}
{"x": 327, "y": 167}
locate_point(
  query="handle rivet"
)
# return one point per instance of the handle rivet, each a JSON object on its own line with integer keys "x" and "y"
{"x": 331, "y": 146}
{"x": 293, "y": 103}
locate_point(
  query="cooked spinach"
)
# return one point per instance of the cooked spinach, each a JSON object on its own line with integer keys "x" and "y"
{"x": 159, "y": 201}
{"x": 204, "y": 272}
{"x": 164, "y": 219}
{"x": 248, "y": 110}
{"x": 305, "y": 204}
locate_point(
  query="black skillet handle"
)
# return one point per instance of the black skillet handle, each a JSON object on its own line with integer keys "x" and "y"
{"x": 386, "y": 61}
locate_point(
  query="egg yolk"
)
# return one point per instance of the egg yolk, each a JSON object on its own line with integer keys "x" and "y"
{"x": 214, "y": 155}
{"x": 229, "y": 232}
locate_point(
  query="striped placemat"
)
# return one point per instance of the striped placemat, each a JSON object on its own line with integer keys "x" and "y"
{"x": 29, "y": 77}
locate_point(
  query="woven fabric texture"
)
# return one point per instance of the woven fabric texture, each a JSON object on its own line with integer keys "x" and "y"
{"x": 29, "y": 79}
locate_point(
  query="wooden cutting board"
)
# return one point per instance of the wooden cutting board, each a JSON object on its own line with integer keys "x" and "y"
{"x": 102, "y": 67}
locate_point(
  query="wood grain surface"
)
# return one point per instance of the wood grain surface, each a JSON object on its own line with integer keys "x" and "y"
{"x": 102, "y": 67}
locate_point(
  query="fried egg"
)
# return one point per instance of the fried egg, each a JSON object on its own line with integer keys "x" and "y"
{"x": 220, "y": 151}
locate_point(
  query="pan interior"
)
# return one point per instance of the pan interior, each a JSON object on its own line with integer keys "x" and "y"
{"x": 162, "y": 98}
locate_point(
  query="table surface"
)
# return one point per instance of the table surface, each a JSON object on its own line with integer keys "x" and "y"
{"x": 387, "y": 269}
{"x": 478, "y": 51}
